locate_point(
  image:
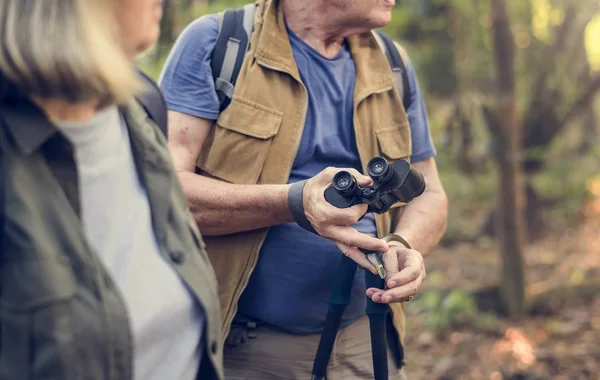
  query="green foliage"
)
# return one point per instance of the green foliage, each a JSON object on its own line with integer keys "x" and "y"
{"x": 455, "y": 310}
{"x": 152, "y": 62}
{"x": 565, "y": 180}
{"x": 422, "y": 28}
{"x": 152, "y": 66}
{"x": 218, "y": 6}
{"x": 449, "y": 43}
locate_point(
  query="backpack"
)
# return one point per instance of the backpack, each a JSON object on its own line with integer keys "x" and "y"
{"x": 233, "y": 40}
{"x": 153, "y": 102}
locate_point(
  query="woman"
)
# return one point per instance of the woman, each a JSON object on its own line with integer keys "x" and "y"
{"x": 103, "y": 274}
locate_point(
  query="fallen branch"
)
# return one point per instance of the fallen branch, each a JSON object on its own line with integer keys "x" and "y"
{"x": 552, "y": 300}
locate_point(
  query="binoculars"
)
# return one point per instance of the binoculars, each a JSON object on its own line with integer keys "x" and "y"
{"x": 392, "y": 183}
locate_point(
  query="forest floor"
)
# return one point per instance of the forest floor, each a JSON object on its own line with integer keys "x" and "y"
{"x": 561, "y": 343}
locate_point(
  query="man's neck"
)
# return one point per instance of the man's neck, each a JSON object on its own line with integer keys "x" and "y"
{"x": 317, "y": 24}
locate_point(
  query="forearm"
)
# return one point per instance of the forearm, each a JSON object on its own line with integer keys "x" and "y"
{"x": 423, "y": 221}
{"x": 222, "y": 208}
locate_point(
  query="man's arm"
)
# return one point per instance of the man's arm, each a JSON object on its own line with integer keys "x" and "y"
{"x": 423, "y": 221}
{"x": 222, "y": 208}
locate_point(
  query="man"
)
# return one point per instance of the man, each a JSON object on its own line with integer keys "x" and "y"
{"x": 314, "y": 93}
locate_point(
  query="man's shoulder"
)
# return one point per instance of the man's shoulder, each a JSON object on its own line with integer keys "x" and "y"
{"x": 186, "y": 79}
{"x": 406, "y": 60}
{"x": 403, "y": 52}
{"x": 201, "y": 30}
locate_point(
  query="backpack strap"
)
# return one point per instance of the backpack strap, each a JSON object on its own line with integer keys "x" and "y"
{"x": 2, "y": 189}
{"x": 233, "y": 40}
{"x": 153, "y": 102}
{"x": 391, "y": 52}
{"x": 235, "y": 31}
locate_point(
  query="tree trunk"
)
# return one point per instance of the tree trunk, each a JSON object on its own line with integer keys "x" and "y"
{"x": 508, "y": 151}
{"x": 168, "y": 25}
{"x": 589, "y": 130}
{"x": 534, "y": 218}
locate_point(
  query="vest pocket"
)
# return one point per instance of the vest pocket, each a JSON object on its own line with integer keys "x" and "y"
{"x": 235, "y": 151}
{"x": 395, "y": 142}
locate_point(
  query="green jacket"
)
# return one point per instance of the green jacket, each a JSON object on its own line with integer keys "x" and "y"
{"x": 61, "y": 316}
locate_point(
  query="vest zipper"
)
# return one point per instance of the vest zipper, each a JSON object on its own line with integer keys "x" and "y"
{"x": 299, "y": 137}
{"x": 354, "y": 112}
{"x": 358, "y": 146}
{"x": 301, "y": 129}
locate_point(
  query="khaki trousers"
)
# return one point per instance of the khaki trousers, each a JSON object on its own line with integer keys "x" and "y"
{"x": 263, "y": 353}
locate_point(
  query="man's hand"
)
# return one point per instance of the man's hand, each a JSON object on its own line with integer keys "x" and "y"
{"x": 334, "y": 223}
{"x": 405, "y": 272}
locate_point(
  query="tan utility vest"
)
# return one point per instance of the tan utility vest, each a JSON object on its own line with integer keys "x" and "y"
{"x": 256, "y": 138}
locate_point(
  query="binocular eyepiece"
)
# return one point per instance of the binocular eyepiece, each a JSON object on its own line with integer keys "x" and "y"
{"x": 344, "y": 183}
{"x": 392, "y": 183}
{"x": 379, "y": 170}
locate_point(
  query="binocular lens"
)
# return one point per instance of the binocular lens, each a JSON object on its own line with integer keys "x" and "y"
{"x": 379, "y": 169}
{"x": 344, "y": 183}
{"x": 417, "y": 182}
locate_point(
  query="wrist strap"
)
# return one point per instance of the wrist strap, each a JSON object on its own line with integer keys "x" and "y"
{"x": 398, "y": 238}
{"x": 296, "y": 205}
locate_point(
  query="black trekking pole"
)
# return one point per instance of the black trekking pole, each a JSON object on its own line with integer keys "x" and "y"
{"x": 396, "y": 182}
{"x": 338, "y": 300}
{"x": 377, "y": 313}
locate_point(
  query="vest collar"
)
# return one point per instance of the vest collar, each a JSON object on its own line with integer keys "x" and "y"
{"x": 274, "y": 51}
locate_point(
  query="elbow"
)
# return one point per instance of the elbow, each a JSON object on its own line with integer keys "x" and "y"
{"x": 208, "y": 223}
{"x": 205, "y": 221}
{"x": 191, "y": 197}
{"x": 437, "y": 200}
{"x": 211, "y": 221}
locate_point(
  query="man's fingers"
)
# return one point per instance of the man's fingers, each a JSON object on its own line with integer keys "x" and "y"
{"x": 405, "y": 276}
{"x": 390, "y": 263}
{"x": 328, "y": 215}
{"x": 357, "y": 211}
{"x": 343, "y": 217}
{"x": 356, "y": 255}
{"x": 326, "y": 176}
{"x": 363, "y": 180}
{"x": 399, "y": 293}
{"x": 352, "y": 238}
{"x": 375, "y": 294}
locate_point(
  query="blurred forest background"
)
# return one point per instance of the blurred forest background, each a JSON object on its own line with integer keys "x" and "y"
{"x": 511, "y": 88}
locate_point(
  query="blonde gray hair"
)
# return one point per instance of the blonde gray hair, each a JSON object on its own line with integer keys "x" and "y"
{"x": 68, "y": 49}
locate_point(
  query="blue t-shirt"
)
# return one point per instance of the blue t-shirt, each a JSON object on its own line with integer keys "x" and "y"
{"x": 296, "y": 269}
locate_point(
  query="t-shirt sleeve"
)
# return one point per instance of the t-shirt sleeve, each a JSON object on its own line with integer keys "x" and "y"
{"x": 186, "y": 80}
{"x": 422, "y": 143}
